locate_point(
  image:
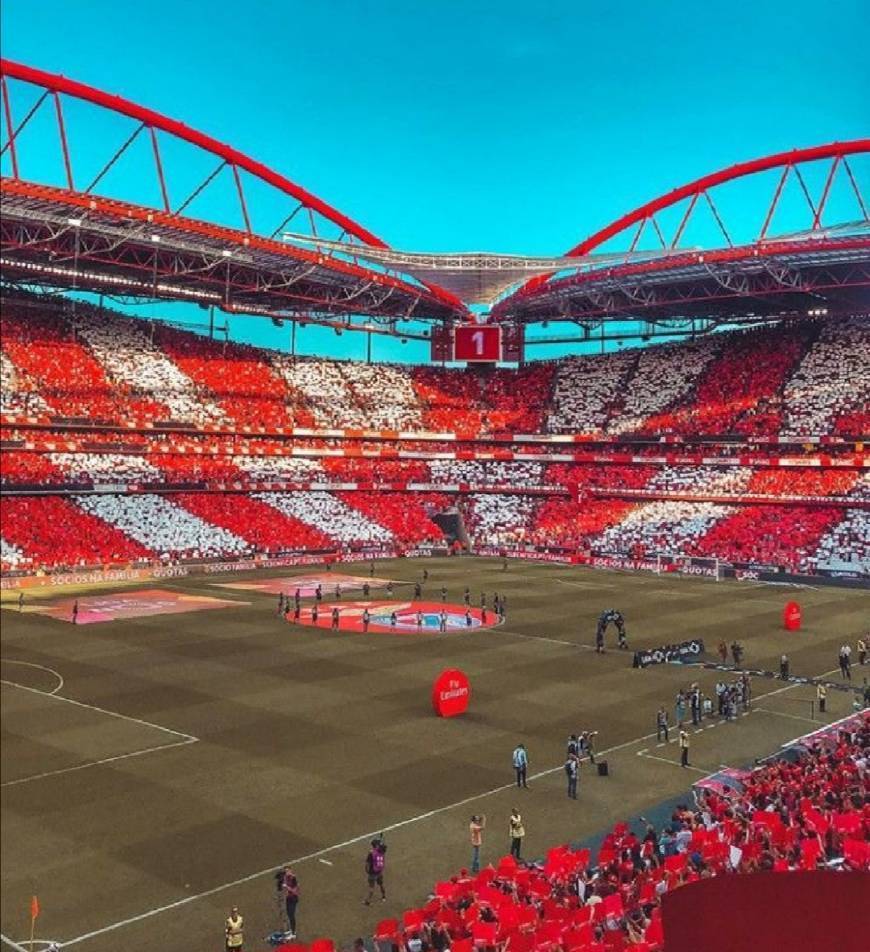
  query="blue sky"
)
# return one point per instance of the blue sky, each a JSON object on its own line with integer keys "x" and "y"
{"x": 504, "y": 126}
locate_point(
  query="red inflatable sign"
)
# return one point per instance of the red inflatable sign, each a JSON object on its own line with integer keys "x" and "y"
{"x": 791, "y": 616}
{"x": 451, "y": 693}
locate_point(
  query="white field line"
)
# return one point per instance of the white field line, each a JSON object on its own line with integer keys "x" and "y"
{"x": 184, "y": 738}
{"x": 552, "y": 641}
{"x": 41, "y": 667}
{"x": 11, "y": 943}
{"x": 673, "y": 763}
{"x": 794, "y": 717}
{"x": 26, "y": 945}
{"x": 101, "y": 710}
{"x": 97, "y": 763}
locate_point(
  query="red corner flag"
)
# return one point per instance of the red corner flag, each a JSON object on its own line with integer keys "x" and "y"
{"x": 34, "y": 907}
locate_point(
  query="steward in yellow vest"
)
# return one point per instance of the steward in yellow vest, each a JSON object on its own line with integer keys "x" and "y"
{"x": 235, "y": 936}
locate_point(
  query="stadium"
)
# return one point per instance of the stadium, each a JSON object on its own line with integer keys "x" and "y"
{"x": 413, "y": 600}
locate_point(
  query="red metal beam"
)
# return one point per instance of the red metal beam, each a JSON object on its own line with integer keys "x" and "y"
{"x": 61, "y": 130}
{"x": 776, "y": 196}
{"x": 155, "y": 148}
{"x": 10, "y": 131}
{"x": 817, "y": 220}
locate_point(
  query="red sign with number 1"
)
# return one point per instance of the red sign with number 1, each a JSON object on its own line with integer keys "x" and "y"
{"x": 477, "y": 342}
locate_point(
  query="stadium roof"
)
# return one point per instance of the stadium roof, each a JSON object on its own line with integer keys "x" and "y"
{"x": 77, "y": 231}
{"x": 475, "y": 277}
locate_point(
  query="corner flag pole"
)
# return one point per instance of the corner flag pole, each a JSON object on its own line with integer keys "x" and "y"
{"x": 34, "y": 912}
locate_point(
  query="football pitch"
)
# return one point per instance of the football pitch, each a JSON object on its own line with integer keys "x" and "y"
{"x": 158, "y": 770}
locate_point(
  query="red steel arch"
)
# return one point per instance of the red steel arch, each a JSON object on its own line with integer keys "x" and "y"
{"x": 151, "y": 120}
{"x": 56, "y": 87}
{"x": 788, "y": 161}
{"x": 698, "y": 190}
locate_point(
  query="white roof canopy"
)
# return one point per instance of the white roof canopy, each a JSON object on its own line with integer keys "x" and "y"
{"x": 476, "y": 277}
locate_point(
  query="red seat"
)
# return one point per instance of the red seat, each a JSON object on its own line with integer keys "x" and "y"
{"x": 386, "y": 930}
{"x": 484, "y": 933}
{"x": 413, "y": 919}
{"x": 614, "y": 941}
{"x": 322, "y": 945}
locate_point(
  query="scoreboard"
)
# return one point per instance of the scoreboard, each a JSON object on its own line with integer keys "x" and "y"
{"x": 478, "y": 343}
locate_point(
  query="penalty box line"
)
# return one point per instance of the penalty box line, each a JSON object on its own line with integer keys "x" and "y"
{"x": 184, "y": 740}
{"x": 12, "y": 943}
{"x": 753, "y": 710}
{"x": 353, "y": 841}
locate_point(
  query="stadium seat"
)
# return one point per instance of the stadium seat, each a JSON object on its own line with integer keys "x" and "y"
{"x": 386, "y": 930}
{"x": 322, "y": 945}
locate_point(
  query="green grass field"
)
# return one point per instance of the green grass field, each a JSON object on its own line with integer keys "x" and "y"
{"x": 157, "y": 770}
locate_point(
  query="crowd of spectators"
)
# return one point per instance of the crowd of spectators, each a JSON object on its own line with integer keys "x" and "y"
{"x": 385, "y": 395}
{"x": 861, "y": 488}
{"x": 518, "y": 474}
{"x": 499, "y": 402}
{"x": 833, "y": 380}
{"x": 240, "y": 379}
{"x": 845, "y": 546}
{"x": 498, "y": 518}
{"x": 163, "y": 527}
{"x": 586, "y": 391}
{"x": 96, "y": 363}
{"x": 572, "y": 524}
{"x": 326, "y": 512}
{"x": 767, "y": 535}
{"x": 106, "y": 467}
{"x": 263, "y": 527}
{"x": 20, "y": 468}
{"x": 331, "y": 397}
{"x": 18, "y": 394}
{"x": 190, "y": 468}
{"x": 517, "y": 401}
{"x": 291, "y": 469}
{"x": 366, "y": 469}
{"x": 407, "y": 516}
{"x": 11, "y": 557}
{"x": 744, "y": 377}
{"x": 44, "y": 346}
{"x": 807, "y": 810}
{"x": 800, "y": 538}
{"x": 52, "y": 531}
{"x": 126, "y": 349}
{"x": 793, "y": 481}
{"x": 701, "y": 479}
{"x": 664, "y": 526}
{"x": 665, "y": 374}
{"x": 75, "y": 360}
